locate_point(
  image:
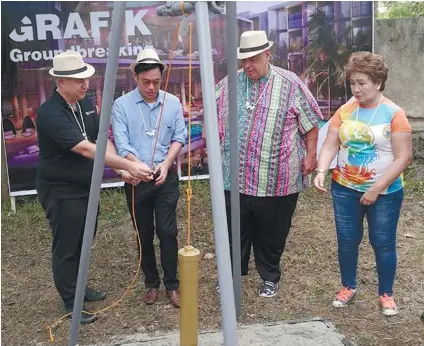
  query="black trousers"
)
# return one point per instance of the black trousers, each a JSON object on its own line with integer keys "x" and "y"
{"x": 66, "y": 217}
{"x": 156, "y": 205}
{"x": 264, "y": 222}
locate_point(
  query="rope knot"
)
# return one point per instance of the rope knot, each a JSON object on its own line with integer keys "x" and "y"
{"x": 182, "y": 8}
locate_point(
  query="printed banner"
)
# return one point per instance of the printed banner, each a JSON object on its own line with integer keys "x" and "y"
{"x": 34, "y": 32}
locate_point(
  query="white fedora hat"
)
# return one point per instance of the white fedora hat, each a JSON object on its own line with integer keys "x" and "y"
{"x": 70, "y": 64}
{"x": 253, "y": 43}
{"x": 147, "y": 56}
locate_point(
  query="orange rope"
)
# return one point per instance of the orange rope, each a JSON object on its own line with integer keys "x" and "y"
{"x": 182, "y": 8}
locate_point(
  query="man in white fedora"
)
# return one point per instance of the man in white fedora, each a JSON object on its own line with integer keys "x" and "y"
{"x": 67, "y": 126}
{"x": 137, "y": 125}
{"x": 278, "y": 133}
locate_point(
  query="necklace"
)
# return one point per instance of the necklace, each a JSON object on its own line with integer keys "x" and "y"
{"x": 150, "y": 133}
{"x": 356, "y": 133}
{"x": 248, "y": 105}
{"x": 82, "y": 125}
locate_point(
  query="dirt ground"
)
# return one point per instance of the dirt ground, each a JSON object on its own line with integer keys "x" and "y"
{"x": 310, "y": 275}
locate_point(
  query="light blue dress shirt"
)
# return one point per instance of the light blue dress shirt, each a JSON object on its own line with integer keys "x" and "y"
{"x": 132, "y": 117}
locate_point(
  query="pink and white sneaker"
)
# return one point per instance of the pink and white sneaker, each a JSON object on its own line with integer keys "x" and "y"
{"x": 343, "y": 297}
{"x": 388, "y": 305}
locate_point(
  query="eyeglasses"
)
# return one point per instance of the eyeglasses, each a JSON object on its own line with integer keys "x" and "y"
{"x": 146, "y": 82}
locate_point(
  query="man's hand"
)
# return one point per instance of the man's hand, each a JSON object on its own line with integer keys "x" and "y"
{"x": 140, "y": 171}
{"x": 128, "y": 178}
{"x": 161, "y": 171}
{"x": 309, "y": 164}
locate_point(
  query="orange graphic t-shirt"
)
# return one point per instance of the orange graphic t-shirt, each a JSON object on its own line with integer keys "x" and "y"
{"x": 365, "y": 143}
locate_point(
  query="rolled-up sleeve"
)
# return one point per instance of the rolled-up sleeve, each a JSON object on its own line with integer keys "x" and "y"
{"x": 120, "y": 131}
{"x": 307, "y": 109}
{"x": 180, "y": 133}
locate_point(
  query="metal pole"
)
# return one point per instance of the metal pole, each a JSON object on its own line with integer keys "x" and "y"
{"x": 222, "y": 247}
{"x": 232, "y": 36}
{"x": 99, "y": 161}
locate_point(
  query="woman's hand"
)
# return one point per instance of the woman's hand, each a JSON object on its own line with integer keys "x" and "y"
{"x": 319, "y": 182}
{"x": 370, "y": 196}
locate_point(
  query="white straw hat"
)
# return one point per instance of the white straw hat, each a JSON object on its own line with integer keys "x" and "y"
{"x": 147, "y": 56}
{"x": 253, "y": 43}
{"x": 70, "y": 64}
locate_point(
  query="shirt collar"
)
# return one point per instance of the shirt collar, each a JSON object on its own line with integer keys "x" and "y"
{"x": 58, "y": 98}
{"x": 266, "y": 77}
{"x": 263, "y": 78}
{"x": 138, "y": 98}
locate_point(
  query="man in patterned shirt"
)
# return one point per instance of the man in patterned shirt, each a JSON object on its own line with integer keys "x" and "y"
{"x": 278, "y": 134}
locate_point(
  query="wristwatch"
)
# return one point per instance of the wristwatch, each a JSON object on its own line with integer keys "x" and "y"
{"x": 120, "y": 172}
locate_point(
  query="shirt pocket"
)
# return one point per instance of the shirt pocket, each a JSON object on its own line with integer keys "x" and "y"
{"x": 166, "y": 135}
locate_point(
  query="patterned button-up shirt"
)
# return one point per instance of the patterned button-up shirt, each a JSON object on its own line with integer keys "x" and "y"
{"x": 272, "y": 141}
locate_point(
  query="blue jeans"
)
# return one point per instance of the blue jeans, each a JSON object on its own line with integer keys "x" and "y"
{"x": 382, "y": 217}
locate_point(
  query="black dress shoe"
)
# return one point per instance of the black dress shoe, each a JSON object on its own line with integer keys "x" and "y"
{"x": 85, "y": 318}
{"x": 93, "y": 296}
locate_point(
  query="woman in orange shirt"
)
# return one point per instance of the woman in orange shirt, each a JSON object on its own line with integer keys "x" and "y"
{"x": 372, "y": 138}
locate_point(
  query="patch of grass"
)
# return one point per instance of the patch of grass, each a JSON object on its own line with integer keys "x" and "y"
{"x": 414, "y": 186}
{"x": 113, "y": 205}
{"x": 414, "y": 178}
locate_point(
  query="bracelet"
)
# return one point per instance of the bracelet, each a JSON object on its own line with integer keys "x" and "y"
{"x": 324, "y": 171}
{"x": 120, "y": 172}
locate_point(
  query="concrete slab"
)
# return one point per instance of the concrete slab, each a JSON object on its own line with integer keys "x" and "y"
{"x": 314, "y": 332}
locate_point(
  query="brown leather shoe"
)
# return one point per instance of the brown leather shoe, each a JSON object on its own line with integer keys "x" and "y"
{"x": 174, "y": 297}
{"x": 151, "y": 296}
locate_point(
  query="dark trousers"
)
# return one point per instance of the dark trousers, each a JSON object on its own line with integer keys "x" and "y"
{"x": 67, "y": 221}
{"x": 159, "y": 204}
{"x": 264, "y": 222}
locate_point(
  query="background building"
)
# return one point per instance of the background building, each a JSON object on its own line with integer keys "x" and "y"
{"x": 291, "y": 25}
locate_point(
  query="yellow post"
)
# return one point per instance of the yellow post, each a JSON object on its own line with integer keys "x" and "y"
{"x": 188, "y": 261}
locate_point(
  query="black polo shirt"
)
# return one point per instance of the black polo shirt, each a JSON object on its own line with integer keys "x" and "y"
{"x": 60, "y": 170}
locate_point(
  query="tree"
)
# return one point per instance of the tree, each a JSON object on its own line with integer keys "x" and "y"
{"x": 328, "y": 52}
{"x": 400, "y": 9}
{"x": 279, "y": 51}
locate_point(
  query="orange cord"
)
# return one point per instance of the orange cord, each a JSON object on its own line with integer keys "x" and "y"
{"x": 50, "y": 327}
{"x": 182, "y": 8}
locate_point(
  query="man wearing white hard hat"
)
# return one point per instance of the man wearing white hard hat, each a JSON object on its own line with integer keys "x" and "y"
{"x": 68, "y": 126}
{"x": 137, "y": 126}
{"x": 278, "y": 134}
